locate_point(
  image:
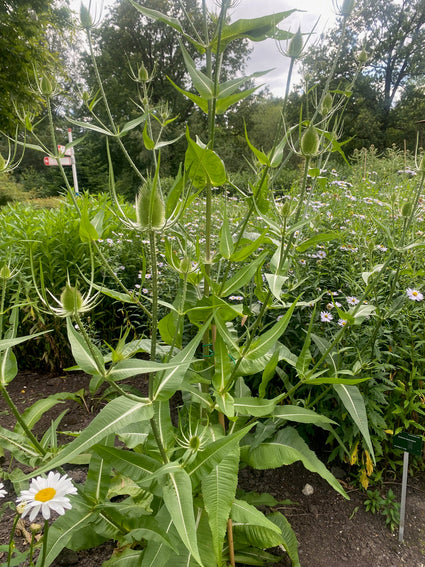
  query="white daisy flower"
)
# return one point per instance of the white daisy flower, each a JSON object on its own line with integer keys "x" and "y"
{"x": 352, "y": 300}
{"x": 3, "y": 492}
{"x": 342, "y": 322}
{"x": 414, "y": 294}
{"x": 325, "y": 317}
{"x": 46, "y": 494}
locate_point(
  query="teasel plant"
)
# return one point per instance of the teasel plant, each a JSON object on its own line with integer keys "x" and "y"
{"x": 176, "y": 472}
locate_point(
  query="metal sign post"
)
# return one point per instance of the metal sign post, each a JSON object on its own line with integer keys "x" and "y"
{"x": 73, "y": 166}
{"x": 409, "y": 443}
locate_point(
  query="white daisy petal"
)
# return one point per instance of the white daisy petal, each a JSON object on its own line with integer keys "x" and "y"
{"x": 46, "y": 495}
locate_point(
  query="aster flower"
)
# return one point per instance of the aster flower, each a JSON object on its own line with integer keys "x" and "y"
{"x": 325, "y": 317}
{"x": 3, "y": 492}
{"x": 46, "y": 494}
{"x": 352, "y": 300}
{"x": 414, "y": 294}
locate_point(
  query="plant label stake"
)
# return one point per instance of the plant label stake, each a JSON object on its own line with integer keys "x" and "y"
{"x": 409, "y": 444}
{"x": 69, "y": 159}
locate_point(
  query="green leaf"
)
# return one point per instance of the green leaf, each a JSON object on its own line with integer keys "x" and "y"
{"x": 8, "y": 343}
{"x": 267, "y": 340}
{"x": 91, "y": 126}
{"x": 34, "y": 413}
{"x": 314, "y": 240}
{"x": 166, "y": 383}
{"x": 178, "y": 499}
{"x": 226, "y": 241}
{"x": 87, "y": 231}
{"x": 132, "y": 124}
{"x": 112, "y": 418}
{"x": 257, "y": 407}
{"x": 63, "y": 528}
{"x": 290, "y": 542}
{"x": 255, "y": 29}
{"x": 136, "y": 466}
{"x": 99, "y": 475}
{"x": 301, "y": 415}
{"x": 275, "y": 284}
{"x": 203, "y": 166}
{"x": 223, "y": 103}
{"x": 199, "y": 101}
{"x": 125, "y": 557}
{"x": 88, "y": 359}
{"x": 134, "y": 366}
{"x": 353, "y": 402}
{"x": 241, "y": 254}
{"x": 218, "y": 491}
{"x": 200, "y": 81}
{"x": 169, "y": 20}
{"x": 284, "y": 449}
{"x": 261, "y": 156}
{"x": 214, "y": 453}
{"x": 242, "y": 276}
{"x": 147, "y": 140}
{"x": 253, "y": 526}
{"x": 223, "y": 365}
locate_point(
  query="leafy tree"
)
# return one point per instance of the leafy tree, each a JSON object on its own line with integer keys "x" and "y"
{"x": 26, "y": 28}
{"x": 127, "y": 44}
{"x": 392, "y": 34}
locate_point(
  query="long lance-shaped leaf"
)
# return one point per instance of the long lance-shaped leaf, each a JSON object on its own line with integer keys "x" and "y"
{"x": 242, "y": 276}
{"x": 218, "y": 491}
{"x": 200, "y": 81}
{"x": 214, "y": 453}
{"x": 134, "y": 465}
{"x": 255, "y": 29}
{"x": 170, "y": 21}
{"x": 116, "y": 415}
{"x": 15, "y": 442}
{"x": 267, "y": 340}
{"x": 131, "y": 367}
{"x": 125, "y": 558}
{"x": 302, "y": 415}
{"x": 178, "y": 498}
{"x": 8, "y": 343}
{"x": 284, "y": 449}
{"x": 353, "y": 401}
{"x": 89, "y": 360}
{"x": 63, "y": 528}
{"x": 223, "y": 365}
{"x": 166, "y": 383}
{"x": 257, "y": 407}
{"x": 290, "y": 542}
{"x": 253, "y": 526}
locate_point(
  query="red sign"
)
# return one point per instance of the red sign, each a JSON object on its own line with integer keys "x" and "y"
{"x": 61, "y": 150}
{"x": 52, "y": 161}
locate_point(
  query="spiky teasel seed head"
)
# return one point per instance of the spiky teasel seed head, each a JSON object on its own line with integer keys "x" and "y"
{"x": 150, "y": 208}
{"x": 310, "y": 142}
{"x": 295, "y": 47}
{"x": 327, "y": 104}
{"x": 5, "y": 273}
{"x": 71, "y": 299}
{"x": 46, "y": 87}
{"x": 362, "y": 57}
{"x": 406, "y": 209}
{"x": 142, "y": 74}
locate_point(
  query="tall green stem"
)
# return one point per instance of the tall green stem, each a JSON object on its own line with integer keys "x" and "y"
{"x": 21, "y": 420}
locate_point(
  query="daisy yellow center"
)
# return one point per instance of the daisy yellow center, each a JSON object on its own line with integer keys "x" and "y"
{"x": 45, "y": 494}
{"x": 415, "y": 293}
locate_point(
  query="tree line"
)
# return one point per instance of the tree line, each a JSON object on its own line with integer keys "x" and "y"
{"x": 385, "y": 40}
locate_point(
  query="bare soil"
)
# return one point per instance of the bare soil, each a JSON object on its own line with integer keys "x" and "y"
{"x": 331, "y": 531}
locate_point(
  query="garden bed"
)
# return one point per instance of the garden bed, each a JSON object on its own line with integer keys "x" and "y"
{"x": 331, "y": 531}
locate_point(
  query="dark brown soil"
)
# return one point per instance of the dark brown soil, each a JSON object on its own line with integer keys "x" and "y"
{"x": 331, "y": 531}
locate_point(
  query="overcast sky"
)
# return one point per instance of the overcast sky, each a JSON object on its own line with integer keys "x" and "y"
{"x": 266, "y": 54}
